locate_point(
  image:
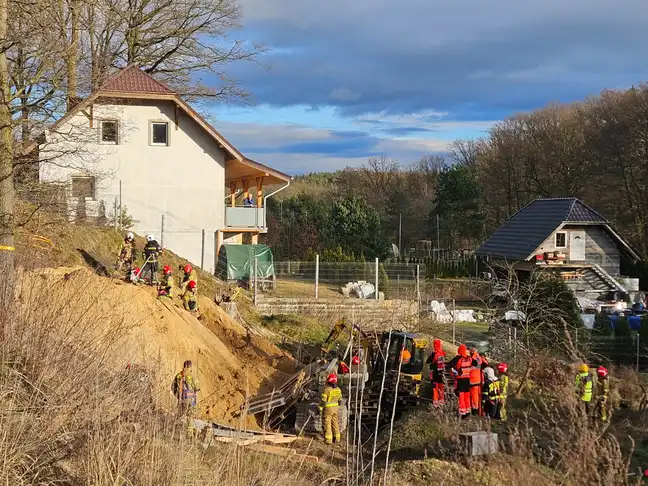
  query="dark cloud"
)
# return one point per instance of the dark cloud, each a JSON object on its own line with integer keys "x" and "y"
{"x": 476, "y": 60}
{"x": 399, "y": 131}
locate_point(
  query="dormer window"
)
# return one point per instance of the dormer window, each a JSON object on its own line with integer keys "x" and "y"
{"x": 561, "y": 240}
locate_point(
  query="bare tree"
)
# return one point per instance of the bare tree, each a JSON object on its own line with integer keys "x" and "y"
{"x": 6, "y": 171}
{"x": 187, "y": 44}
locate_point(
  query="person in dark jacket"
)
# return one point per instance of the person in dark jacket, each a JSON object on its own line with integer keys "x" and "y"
{"x": 152, "y": 250}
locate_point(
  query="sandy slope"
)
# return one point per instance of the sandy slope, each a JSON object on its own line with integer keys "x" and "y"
{"x": 159, "y": 335}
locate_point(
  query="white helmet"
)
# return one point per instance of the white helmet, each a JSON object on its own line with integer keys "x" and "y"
{"x": 150, "y": 237}
{"x": 130, "y": 236}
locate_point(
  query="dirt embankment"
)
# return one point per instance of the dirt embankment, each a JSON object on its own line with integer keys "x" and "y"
{"x": 157, "y": 335}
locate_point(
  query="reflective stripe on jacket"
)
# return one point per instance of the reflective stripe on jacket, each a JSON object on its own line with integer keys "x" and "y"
{"x": 492, "y": 391}
{"x": 464, "y": 367}
{"x": 331, "y": 397}
{"x": 584, "y": 387}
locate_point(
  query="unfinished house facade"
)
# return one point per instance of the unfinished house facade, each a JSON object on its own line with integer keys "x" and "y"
{"x": 136, "y": 144}
{"x": 565, "y": 236}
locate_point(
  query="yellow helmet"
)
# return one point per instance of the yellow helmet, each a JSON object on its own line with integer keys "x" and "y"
{"x": 583, "y": 368}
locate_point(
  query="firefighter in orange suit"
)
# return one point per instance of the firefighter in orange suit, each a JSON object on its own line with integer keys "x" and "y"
{"x": 436, "y": 362}
{"x": 476, "y": 381}
{"x": 462, "y": 364}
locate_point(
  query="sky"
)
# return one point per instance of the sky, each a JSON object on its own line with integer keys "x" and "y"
{"x": 344, "y": 80}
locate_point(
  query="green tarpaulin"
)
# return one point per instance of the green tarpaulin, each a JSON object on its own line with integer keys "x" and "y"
{"x": 236, "y": 262}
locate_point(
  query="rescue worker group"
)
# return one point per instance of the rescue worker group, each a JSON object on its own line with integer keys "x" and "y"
{"x": 148, "y": 272}
{"x": 478, "y": 390}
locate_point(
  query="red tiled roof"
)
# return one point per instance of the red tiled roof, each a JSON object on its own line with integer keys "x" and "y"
{"x": 133, "y": 80}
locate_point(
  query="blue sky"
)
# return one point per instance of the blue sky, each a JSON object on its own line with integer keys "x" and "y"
{"x": 346, "y": 80}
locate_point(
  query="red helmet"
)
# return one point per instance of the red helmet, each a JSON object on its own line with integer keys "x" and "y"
{"x": 332, "y": 378}
{"x": 355, "y": 360}
{"x": 191, "y": 284}
{"x": 502, "y": 367}
{"x": 137, "y": 271}
{"x": 462, "y": 350}
{"x": 167, "y": 270}
{"x": 602, "y": 371}
{"x": 187, "y": 268}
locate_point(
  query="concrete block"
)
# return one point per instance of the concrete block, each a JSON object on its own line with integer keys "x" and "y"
{"x": 479, "y": 443}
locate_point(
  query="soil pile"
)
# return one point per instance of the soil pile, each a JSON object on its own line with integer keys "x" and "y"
{"x": 230, "y": 360}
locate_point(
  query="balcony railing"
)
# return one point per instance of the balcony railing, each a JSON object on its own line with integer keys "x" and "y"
{"x": 245, "y": 217}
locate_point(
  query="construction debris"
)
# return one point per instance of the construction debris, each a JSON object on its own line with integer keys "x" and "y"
{"x": 224, "y": 433}
{"x": 442, "y": 314}
{"x": 362, "y": 290}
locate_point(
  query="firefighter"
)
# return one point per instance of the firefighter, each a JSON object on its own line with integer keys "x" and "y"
{"x": 491, "y": 393}
{"x": 166, "y": 285}
{"x": 186, "y": 387}
{"x": 189, "y": 274}
{"x": 126, "y": 254}
{"x": 583, "y": 385}
{"x": 343, "y": 369}
{"x": 190, "y": 297}
{"x": 504, "y": 385}
{"x": 329, "y": 342}
{"x": 462, "y": 364}
{"x": 152, "y": 250}
{"x": 330, "y": 404}
{"x": 602, "y": 393}
{"x": 476, "y": 381}
{"x": 436, "y": 362}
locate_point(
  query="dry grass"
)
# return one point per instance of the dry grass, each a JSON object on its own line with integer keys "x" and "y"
{"x": 69, "y": 416}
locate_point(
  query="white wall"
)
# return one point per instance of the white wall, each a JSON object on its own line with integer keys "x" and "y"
{"x": 184, "y": 181}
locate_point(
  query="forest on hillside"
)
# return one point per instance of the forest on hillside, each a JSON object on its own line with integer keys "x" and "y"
{"x": 595, "y": 150}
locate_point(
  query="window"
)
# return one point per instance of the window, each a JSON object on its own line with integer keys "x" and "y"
{"x": 83, "y": 187}
{"x": 108, "y": 131}
{"x": 159, "y": 133}
{"x": 561, "y": 240}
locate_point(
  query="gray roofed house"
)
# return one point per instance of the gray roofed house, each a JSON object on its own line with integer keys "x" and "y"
{"x": 566, "y": 235}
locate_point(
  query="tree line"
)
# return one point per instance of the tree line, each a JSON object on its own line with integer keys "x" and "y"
{"x": 595, "y": 150}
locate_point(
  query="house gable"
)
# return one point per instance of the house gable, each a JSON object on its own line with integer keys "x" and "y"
{"x": 533, "y": 228}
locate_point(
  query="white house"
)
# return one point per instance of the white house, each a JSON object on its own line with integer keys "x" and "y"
{"x": 134, "y": 143}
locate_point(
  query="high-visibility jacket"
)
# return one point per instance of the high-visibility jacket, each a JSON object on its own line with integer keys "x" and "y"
{"x": 331, "y": 397}
{"x": 476, "y": 373}
{"x": 437, "y": 366}
{"x": 492, "y": 390}
{"x": 406, "y": 356}
{"x": 464, "y": 367}
{"x": 584, "y": 387}
{"x": 504, "y": 385}
{"x": 188, "y": 277}
{"x": 186, "y": 387}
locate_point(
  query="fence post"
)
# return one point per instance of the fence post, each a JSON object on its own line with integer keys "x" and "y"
{"x": 418, "y": 288}
{"x": 116, "y": 219}
{"x": 376, "y": 278}
{"x": 454, "y": 322}
{"x": 256, "y": 268}
{"x": 317, "y": 276}
{"x": 202, "y": 252}
{"x": 162, "y": 232}
{"x": 121, "y": 211}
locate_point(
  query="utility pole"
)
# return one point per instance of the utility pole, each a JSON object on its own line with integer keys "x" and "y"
{"x": 400, "y": 235}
